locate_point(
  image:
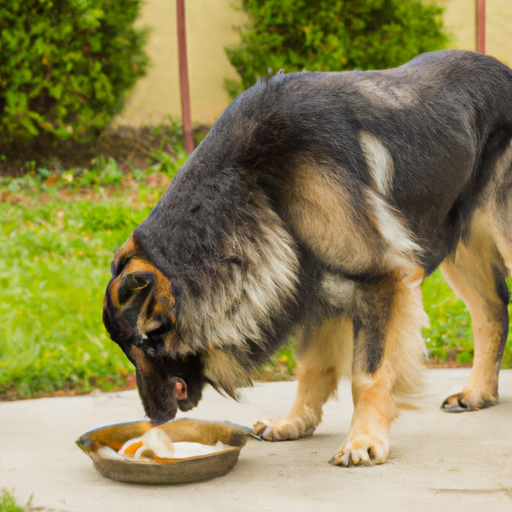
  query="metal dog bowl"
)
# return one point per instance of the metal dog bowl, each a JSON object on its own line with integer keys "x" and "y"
{"x": 176, "y": 471}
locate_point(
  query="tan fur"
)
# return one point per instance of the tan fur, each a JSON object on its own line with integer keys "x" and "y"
{"x": 326, "y": 358}
{"x": 377, "y": 397}
{"x": 114, "y": 293}
{"x": 379, "y": 161}
{"x": 161, "y": 290}
{"x": 321, "y": 212}
{"x": 411, "y": 279}
{"x": 470, "y": 274}
{"x": 499, "y": 217}
{"x": 400, "y": 246}
{"x": 225, "y": 371}
{"x": 237, "y": 307}
{"x": 127, "y": 250}
{"x": 316, "y": 204}
{"x": 143, "y": 362}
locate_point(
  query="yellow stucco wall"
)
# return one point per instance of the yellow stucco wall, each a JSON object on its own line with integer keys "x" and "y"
{"x": 210, "y": 28}
{"x": 499, "y": 30}
{"x": 459, "y": 19}
{"x": 209, "y": 25}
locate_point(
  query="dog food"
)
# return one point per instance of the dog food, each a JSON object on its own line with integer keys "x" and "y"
{"x": 156, "y": 446}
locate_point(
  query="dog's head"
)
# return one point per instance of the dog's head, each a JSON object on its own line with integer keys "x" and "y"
{"x": 138, "y": 312}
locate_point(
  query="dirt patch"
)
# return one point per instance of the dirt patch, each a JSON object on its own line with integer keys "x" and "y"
{"x": 11, "y": 394}
{"x": 130, "y": 147}
{"x": 436, "y": 363}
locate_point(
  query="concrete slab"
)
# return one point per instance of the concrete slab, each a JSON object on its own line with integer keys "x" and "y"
{"x": 438, "y": 461}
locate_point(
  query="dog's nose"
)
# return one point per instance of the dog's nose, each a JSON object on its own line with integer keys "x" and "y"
{"x": 133, "y": 282}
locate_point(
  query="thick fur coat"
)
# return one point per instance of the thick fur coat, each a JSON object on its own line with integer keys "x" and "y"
{"x": 316, "y": 204}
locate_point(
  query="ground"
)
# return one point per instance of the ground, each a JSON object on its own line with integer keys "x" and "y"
{"x": 438, "y": 461}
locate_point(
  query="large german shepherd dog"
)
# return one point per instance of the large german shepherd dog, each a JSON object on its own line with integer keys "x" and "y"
{"x": 318, "y": 203}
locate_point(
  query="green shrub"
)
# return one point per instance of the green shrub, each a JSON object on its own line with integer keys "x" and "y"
{"x": 331, "y": 35}
{"x": 65, "y": 65}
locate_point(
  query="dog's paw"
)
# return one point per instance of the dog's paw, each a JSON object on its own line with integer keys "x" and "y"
{"x": 282, "y": 430}
{"x": 467, "y": 401}
{"x": 366, "y": 450}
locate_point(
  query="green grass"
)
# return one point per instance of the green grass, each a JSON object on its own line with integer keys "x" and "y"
{"x": 54, "y": 266}
{"x": 449, "y": 336}
{"x": 53, "y": 271}
{"x": 57, "y": 245}
{"x": 8, "y": 503}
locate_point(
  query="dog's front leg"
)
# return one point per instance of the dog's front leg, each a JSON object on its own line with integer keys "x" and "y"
{"x": 374, "y": 410}
{"x": 325, "y": 355}
{"x": 388, "y": 353}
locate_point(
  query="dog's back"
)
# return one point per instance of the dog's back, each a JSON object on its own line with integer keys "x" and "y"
{"x": 436, "y": 117}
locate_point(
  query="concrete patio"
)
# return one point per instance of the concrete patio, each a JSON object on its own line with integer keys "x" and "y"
{"x": 438, "y": 461}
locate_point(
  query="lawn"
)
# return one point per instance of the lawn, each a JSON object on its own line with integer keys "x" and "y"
{"x": 57, "y": 243}
{"x": 58, "y": 233}
{"x": 8, "y": 503}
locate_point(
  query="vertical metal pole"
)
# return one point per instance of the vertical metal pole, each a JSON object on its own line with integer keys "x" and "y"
{"x": 188, "y": 141}
{"x": 480, "y": 26}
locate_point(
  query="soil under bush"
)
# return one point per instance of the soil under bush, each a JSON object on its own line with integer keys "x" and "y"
{"x": 130, "y": 147}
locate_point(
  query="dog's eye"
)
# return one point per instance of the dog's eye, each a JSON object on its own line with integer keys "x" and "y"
{"x": 155, "y": 336}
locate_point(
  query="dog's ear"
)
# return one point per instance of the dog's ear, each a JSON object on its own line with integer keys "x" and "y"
{"x": 138, "y": 280}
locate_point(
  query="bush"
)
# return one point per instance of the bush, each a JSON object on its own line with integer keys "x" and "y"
{"x": 327, "y": 35}
{"x": 65, "y": 65}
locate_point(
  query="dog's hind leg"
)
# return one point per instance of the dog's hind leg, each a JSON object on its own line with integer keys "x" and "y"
{"x": 477, "y": 274}
{"x": 388, "y": 359}
{"x": 326, "y": 356}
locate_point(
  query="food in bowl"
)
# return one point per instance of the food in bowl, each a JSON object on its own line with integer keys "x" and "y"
{"x": 180, "y": 451}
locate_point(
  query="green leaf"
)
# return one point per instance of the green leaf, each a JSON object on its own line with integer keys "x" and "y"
{"x": 331, "y": 35}
{"x": 29, "y": 126}
{"x": 70, "y": 63}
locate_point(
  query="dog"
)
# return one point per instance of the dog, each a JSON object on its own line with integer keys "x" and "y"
{"x": 317, "y": 204}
